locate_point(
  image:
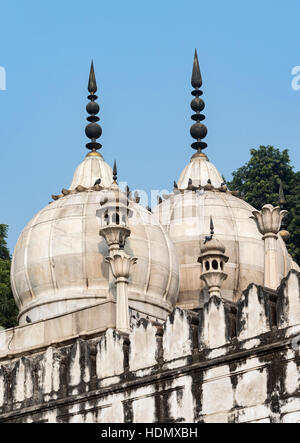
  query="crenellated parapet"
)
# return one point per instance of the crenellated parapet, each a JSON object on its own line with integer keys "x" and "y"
{"x": 253, "y": 313}
{"x": 217, "y": 324}
{"x": 288, "y": 305}
{"x": 227, "y": 363}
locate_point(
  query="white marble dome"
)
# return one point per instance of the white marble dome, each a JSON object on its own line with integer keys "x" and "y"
{"x": 200, "y": 170}
{"x": 90, "y": 170}
{"x": 59, "y": 260}
{"x": 186, "y": 218}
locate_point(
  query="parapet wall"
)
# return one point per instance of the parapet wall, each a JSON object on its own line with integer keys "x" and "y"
{"x": 230, "y": 363}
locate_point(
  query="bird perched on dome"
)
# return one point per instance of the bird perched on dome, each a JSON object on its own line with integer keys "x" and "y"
{"x": 210, "y": 237}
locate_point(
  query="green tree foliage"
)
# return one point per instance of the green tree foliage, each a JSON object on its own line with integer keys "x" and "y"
{"x": 259, "y": 181}
{"x": 4, "y": 252}
{"x": 293, "y": 205}
{"x": 8, "y": 308}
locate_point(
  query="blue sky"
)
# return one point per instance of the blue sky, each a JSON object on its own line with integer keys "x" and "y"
{"x": 143, "y": 53}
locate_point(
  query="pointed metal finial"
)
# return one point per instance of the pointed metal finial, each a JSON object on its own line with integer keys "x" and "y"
{"x": 115, "y": 172}
{"x": 196, "y": 75}
{"x": 282, "y": 203}
{"x": 282, "y": 200}
{"x": 92, "y": 86}
{"x": 93, "y": 130}
{"x": 198, "y": 130}
{"x": 212, "y": 228}
{"x": 212, "y": 231}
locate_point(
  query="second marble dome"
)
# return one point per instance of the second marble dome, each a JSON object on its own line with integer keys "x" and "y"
{"x": 186, "y": 214}
{"x": 59, "y": 260}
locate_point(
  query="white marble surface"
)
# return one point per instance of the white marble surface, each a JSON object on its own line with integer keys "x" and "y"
{"x": 186, "y": 217}
{"x": 59, "y": 261}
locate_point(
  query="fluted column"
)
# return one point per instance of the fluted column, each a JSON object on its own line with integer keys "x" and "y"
{"x": 269, "y": 221}
{"x": 121, "y": 264}
{"x": 115, "y": 237}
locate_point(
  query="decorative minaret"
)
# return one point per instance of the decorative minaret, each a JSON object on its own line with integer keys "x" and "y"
{"x": 198, "y": 130}
{"x": 269, "y": 221}
{"x": 93, "y": 130}
{"x": 113, "y": 214}
{"x": 282, "y": 203}
{"x": 213, "y": 261}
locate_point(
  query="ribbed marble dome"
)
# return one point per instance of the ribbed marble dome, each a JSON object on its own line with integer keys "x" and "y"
{"x": 200, "y": 170}
{"x": 186, "y": 217}
{"x": 90, "y": 170}
{"x": 59, "y": 260}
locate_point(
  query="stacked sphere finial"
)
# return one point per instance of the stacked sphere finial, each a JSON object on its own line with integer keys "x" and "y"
{"x": 93, "y": 130}
{"x": 198, "y": 130}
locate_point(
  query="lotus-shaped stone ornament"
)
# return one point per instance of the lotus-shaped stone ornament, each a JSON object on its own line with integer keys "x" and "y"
{"x": 115, "y": 235}
{"x": 121, "y": 264}
{"x": 269, "y": 219}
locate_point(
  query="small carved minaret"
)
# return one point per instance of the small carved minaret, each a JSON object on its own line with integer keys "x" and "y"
{"x": 213, "y": 261}
{"x": 282, "y": 203}
{"x": 93, "y": 130}
{"x": 113, "y": 215}
{"x": 198, "y": 130}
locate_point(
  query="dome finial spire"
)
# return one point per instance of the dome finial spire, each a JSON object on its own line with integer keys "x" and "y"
{"x": 198, "y": 130}
{"x": 282, "y": 200}
{"x": 196, "y": 75}
{"x": 115, "y": 172}
{"x": 93, "y": 130}
{"x": 92, "y": 86}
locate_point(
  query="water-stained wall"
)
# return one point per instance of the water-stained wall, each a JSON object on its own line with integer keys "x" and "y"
{"x": 229, "y": 363}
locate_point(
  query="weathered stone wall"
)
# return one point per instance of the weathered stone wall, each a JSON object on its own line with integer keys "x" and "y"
{"x": 230, "y": 363}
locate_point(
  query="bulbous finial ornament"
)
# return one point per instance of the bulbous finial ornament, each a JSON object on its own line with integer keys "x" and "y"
{"x": 93, "y": 130}
{"x": 198, "y": 130}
